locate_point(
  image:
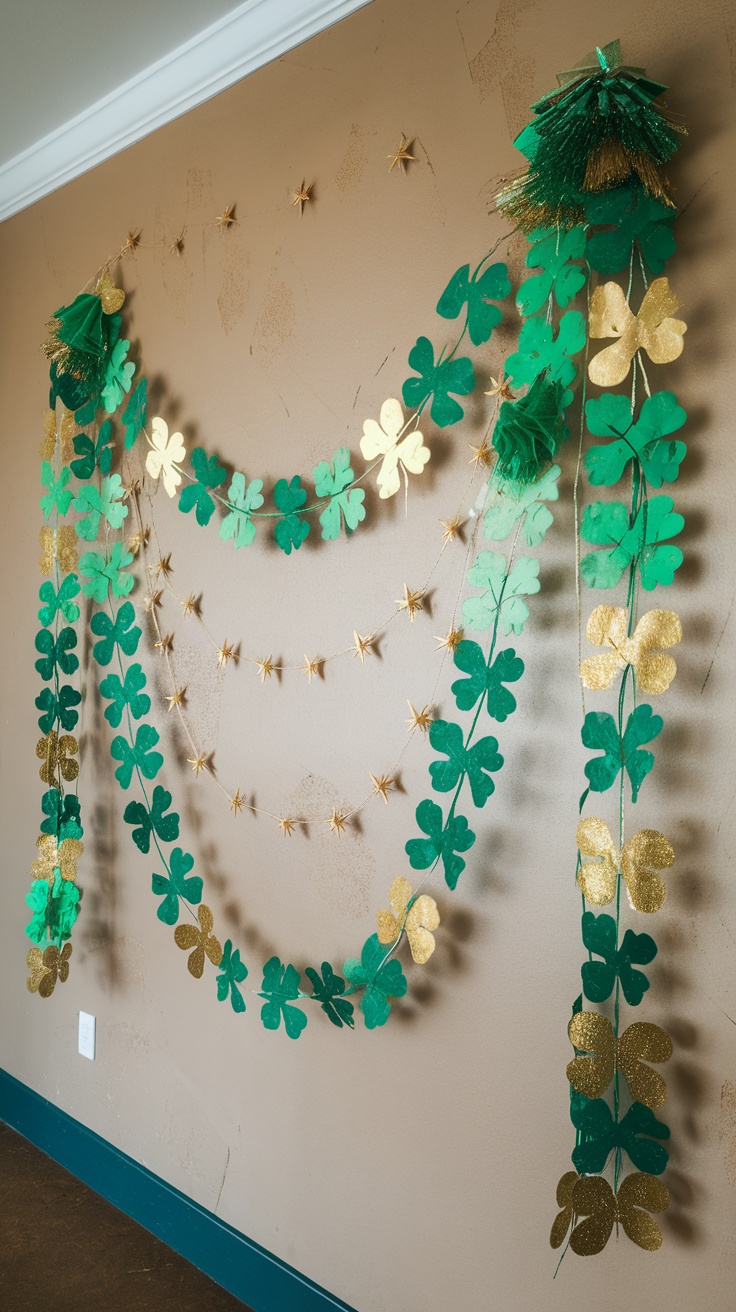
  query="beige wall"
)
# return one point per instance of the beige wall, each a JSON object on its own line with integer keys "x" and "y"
{"x": 409, "y": 1170}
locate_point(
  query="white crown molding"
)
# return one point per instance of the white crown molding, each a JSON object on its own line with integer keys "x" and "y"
{"x": 239, "y": 43}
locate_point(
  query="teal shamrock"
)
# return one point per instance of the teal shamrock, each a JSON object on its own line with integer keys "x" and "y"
{"x": 328, "y": 989}
{"x": 98, "y": 503}
{"x": 177, "y": 886}
{"x": 280, "y": 988}
{"x": 474, "y": 762}
{"x": 443, "y": 841}
{"x": 551, "y": 251}
{"x": 57, "y": 653}
{"x": 610, "y": 416}
{"x": 607, "y": 523}
{"x": 630, "y": 215}
{"x": 128, "y": 693}
{"x": 478, "y": 294}
{"x": 510, "y": 501}
{"x": 486, "y": 680}
{"x": 332, "y": 481}
{"x": 63, "y": 909}
{"x": 62, "y": 816}
{"x": 58, "y": 496}
{"x": 105, "y": 572}
{"x": 238, "y": 525}
{"x": 291, "y": 529}
{"x": 91, "y": 454}
{"x": 138, "y": 756}
{"x": 381, "y": 981}
{"x": 599, "y": 1135}
{"x": 118, "y": 376}
{"x": 438, "y": 381}
{"x": 196, "y": 496}
{"x": 539, "y": 349}
{"x": 233, "y": 973}
{"x": 135, "y": 414}
{"x": 599, "y": 977}
{"x": 60, "y": 602}
{"x": 38, "y": 900}
{"x": 599, "y": 733}
{"x": 501, "y": 602}
{"x": 154, "y": 821}
{"x": 114, "y": 633}
{"x": 58, "y": 707}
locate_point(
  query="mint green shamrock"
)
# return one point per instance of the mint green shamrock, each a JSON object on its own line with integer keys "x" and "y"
{"x": 58, "y": 495}
{"x": 154, "y": 821}
{"x": 486, "y": 681}
{"x": 57, "y": 653}
{"x": 280, "y": 988}
{"x": 135, "y": 413}
{"x": 291, "y": 529}
{"x": 331, "y": 482}
{"x": 551, "y": 250}
{"x": 608, "y": 522}
{"x": 238, "y": 525}
{"x": 95, "y": 504}
{"x": 233, "y": 972}
{"x": 610, "y": 416}
{"x": 91, "y": 454}
{"x": 138, "y": 756}
{"x": 599, "y": 977}
{"x": 510, "y": 501}
{"x": 501, "y": 601}
{"x": 539, "y": 349}
{"x": 599, "y": 733}
{"x": 632, "y": 216}
{"x": 37, "y": 899}
{"x": 129, "y": 693}
{"x": 62, "y": 817}
{"x": 59, "y": 602}
{"x": 444, "y": 840}
{"x": 381, "y": 979}
{"x": 178, "y": 886}
{"x": 58, "y": 707}
{"x": 196, "y": 496}
{"x": 478, "y": 294}
{"x": 115, "y": 633}
{"x": 599, "y": 1135}
{"x": 438, "y": 381}
{"x": 105, "y": 572}
{"x": 327, "y": 989}
{"x": 472, "y": 762}
{"x": 118, "y": 376}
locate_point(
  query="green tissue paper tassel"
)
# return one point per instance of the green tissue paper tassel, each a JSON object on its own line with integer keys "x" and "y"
{"x": 529, "y": 431}
{"x": 81, "y": 339}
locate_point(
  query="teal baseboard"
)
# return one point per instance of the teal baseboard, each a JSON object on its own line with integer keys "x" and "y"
{"x": 248, "y": 1271}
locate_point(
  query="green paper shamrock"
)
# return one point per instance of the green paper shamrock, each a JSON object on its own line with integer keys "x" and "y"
{"x": 91, "y": 454}
{"x": 38, "y": 900}
{"x": 635, "y": 216}
{"x": 72, "y": 391}
{"x": 105, "y": 572}
{"x": 478, "y": 294}
{"x": 95, "y": 504}
{"x": 62, "y": 816}
{"x": 129, "y": 693}
{"x": 438, "y": 381}
{"x": 551, "y": 250}
{"x": 539, "y": 349}
{"x": 118, "y": 376}
{"x": 486, "y": 681}
{"x": 608, "y": 522}
{"x": 238, "y": 525}
{"x": 233, "y": 973}
{"x": 291, "y": 529}
{"x": 610, "y": 416}
{"x": 114, "y": 633}
{"x": 138, "y": 756}
{"x": 332, "y": 481}
{"x": 501, "y": 602}
{"x": 58, "y": 708}
{"x": 153, "y": 821}
{"x": 57, "y": 653}
{"x": 473, "y": 762}
{"x": 280, "y": 987}
{"x": 135, "y": 413}
{"x": 511, "y": 501}
{"x": 196, "y": 496}
{"x": 444, "y": 840}
{"x": 599, "y": 977}
{"x": 86, "y": 414}
{"x": 381, "y": 979}
{"x": 59, "y": 602}
{"x": 63, "y": 909}
{"x": 58, "y": 494}
{"x": 599, "y": 1134}
{"x": 599, "y": 733}
{"x": 178, "y": 886}
{"x": 328, "y": 989}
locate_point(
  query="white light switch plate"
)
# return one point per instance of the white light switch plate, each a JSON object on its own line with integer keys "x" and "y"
{"x": 86, "y": 1035}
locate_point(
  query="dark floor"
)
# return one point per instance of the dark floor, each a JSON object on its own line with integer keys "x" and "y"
{"x": 62, "y": 1247}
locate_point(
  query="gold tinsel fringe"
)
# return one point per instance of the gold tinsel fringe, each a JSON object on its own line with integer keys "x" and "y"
{"x": 611, "y": 164}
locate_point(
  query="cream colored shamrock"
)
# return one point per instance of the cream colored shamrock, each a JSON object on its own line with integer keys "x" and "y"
{"x": 608, "y": 626}
{"x": 165, "y": 454}
{"x": 383, "y": 440}
{"x": 417, "y": 922}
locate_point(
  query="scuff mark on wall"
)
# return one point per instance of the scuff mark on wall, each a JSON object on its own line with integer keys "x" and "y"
{"x": 503, "y": 64}
{"x": 275, "y": 323}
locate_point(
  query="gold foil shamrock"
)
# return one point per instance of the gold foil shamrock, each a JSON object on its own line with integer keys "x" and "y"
{"x": 46, "y": 967}
{"x": 608, "y": 627}
{"x": 642, "y": 856}
{"x": 202, "y": 940}
{"x": 591, "y": 1033}
{"x": 651, "y": 330}
{"x": 417, "y": 922}
{"x": 55, "y": 753}
{"x": 638, "y": 1195}
{"x": 68, "y": 430}
{"x": 564, "y": 1219}
{"x": 51, "y": 857}
{"x": 383, "y": 440}
{"x": 166, "y": 452}
{"x": 58, "y": 544}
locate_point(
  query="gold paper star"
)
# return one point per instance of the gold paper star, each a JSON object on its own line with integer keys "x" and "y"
{"x": 401, "y": 155}
{"x": 287, "y": 825}
{"x": 227, "y": 219}
{"x": 419, "y": 719}
{"x": 382, "y": 785}
{"x": 139, "y": 540}
{"x": 302, "y": 195}
{"x": 162, "y": 566}
{"x": 176, "y": 698}
{"x": 451, "y": 641}
{"x": 152, "y": 600}
{"x": 177, "y": 245}
{"x": 190, "y": 606}
{"x": 411, "y": 601}
{"x": 265, "y": 668}
{"x": 481, "y": 455}
{"x": 237, "y": 801}
{"x": 165, "y": 642}
{"x": 133, "y": 241}
{"x": 451, "y": 528}
{"x": 225, "y": 653}
{"x": 500, "y": 387}
{"x": 132, "y": 488}
{"x": 311, "y": 668}
{"x": 362, "y": 646}
{"x": 337, "y": 822}
{"x": 197, "y": 763}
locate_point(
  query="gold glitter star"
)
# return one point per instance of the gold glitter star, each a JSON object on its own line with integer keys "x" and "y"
{"x": 139, "y": 540}
{"x": 480, "y": 455}
{"x": 451, "y": 640}
{"x": 265, "y": 668}
{"x": 176, "y": 698}
{"x": 165, "y": 642}
{"x": 411, "y": 602}
{"x": 151, "y": 600}
{"x": 287, "y": 825}
{"x": 227, "y": 219}
{"x": 401, "y": 155}
{"x": 337, "y": 822}
{"x": 311, "y": 668}
{"x": 177, "y": 245}
{"x": 133, "y": 241}
{"x": 197, "y": 763}
{"x": 419, "y": 719}
{"x": 225, "y": 653}
{"x": 302, "y": 195}
{"x": 162, "y": 566}
{"x": 362, "y": 646}
{"x": 500, "y": 388}
{"x": 190, "y": 605}
{"x": 132, "y": 488}
{"x": 236, "y": 801}
{"x": 382, "y": 785}
{"x": 451, "y": 528}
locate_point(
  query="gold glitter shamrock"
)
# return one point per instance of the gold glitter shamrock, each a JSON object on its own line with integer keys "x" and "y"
{"x": 202, "y": 940}
{"x": 421, "y": 917}
{"x": 55, "y": 753}
{"x": 651, "y": 330}
{"x": 68, "y": 429}
{"x": 638, "y": 1194}
{"x": 384, "y": 439}
{"x": 564, "y": 1219}
{"x": 608, "y": 627}
{"x": 51, "y": 857}
{"x": 46, "y": 967}
{"x": 591, "y": 1033}
{"x": 58, "y": 544}
{"x": 642, "y": 856}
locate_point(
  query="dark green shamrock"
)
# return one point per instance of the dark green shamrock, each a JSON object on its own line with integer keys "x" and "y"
{"x": 291, "y": 529}
{"x": 196, "y": 496}
{"x": 381, "y": 980}
{"x": 607, "y": 523}
{"x": 539, "y": 349}
{"x": 438, "y": 381}
{"x": 599, "y": 1134}
{"x": 57, "y": 653}
{"x": 478, "y": 294}
{"x": 233, "y": 973}
{"x": 485, "y": 680}
{"x": 91, "y": 454}
{"x": 138, "y": 756}
{"x": 60, "y": 602}
{"x": 332, "y": 481}
{"x": 58, "y": 707}
{"x": 443, "y": 841}
{"x": 599, "y": 977}
{"x": 473, "y": 762}
{"x": 112, "y": 633}
{"x": 328, "y": 989}
{"x": 153, "y": 821}
{"x": 62, "y": 817}
{"x": 135, "y": 413}
{"x": 280, "y": 988}
{"x": 630, "y": 215}
{"x": 177, "y": 886}
{"x": 58, "y": 496}
{"x": 599, "y": 733}
{"x": 610, "y": 416}
{"x": 551, "y": 251}
{"x": 127, "y": 693}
